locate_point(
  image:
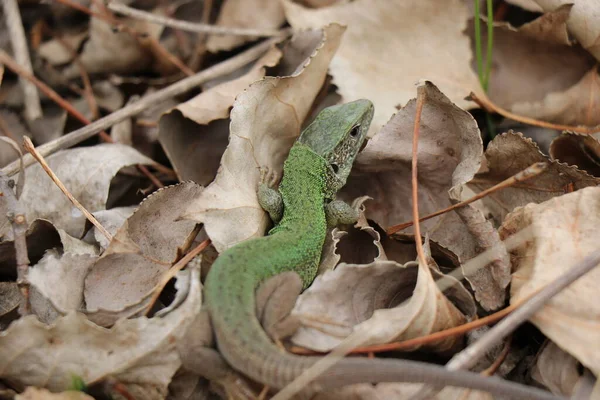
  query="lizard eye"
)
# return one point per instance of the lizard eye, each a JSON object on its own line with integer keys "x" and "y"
{"x": 335, "y": 167}
{"x": 355, "y": 131}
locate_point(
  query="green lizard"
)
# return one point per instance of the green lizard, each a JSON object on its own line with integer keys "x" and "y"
{"x": 316, "y": 168}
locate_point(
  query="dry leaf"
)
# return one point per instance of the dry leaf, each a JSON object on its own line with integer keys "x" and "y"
{"x": 565, "y": 231}
{"x": 265, "y": 121}
{"x": 253, "y": 14}
{"x": 556, "y": 369}
{"x": 57, "y": 284}
{"x": 111, "y": 220}
{"x": 56, "y": 53}
{"x": 95, "y": 166}
{"x": 583, "y": 22}
{"x": 575, "y": 106}
{"x": 147, "y": 244}
{"x": 582, "y": 151}
{"x": 195, "y": 151}
{"x": 391, "y": 45}
{"x": 510, "y": 153}
{"x": 385, "y": 299}
{"x": 449, "y": 154}
{"x": 534, "y": 60}
{"x": 140, "y": 353}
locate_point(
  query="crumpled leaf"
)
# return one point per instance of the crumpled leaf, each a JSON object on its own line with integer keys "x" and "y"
{"x": 383, "y": 33}
{"x": 574, "y": 106}
{"x": 450, "y": 150}
{"x": 95, "y": 166}
{"x": 111, "y": 220}
{"x": 265, "y": 121}
{"x": 556, "y": 369}
{"x": 57, "y": 284}
{"x": 194, "y": 134}
{"x": 113, "y": 51}
{"x": 10, "y": 298}
{"x": 565, "y": 230}
{"x": 385, "y": 299}
{"x": 147, "y": 244}
{"x": 32, "y": 393}
{"x": 489, "y": 282}
{"x": 510, "y": 153}
{"x": 245, "y": 14}
{"x": 582, "y": 151}
{"x": 41, "y": 236}
{"x": 56, "y": 53}
{"x": 533, "y": 61}
{"x": 398, "y": 391}
{"x": 583, "y": 22}
{"x": 140, "y": 353}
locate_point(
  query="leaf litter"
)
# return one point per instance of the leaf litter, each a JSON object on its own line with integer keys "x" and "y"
{"x": 81, "y": 303}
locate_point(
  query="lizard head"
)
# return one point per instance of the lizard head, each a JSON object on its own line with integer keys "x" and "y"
{"x": 338, "y": 134}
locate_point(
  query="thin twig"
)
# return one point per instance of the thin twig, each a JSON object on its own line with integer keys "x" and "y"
{"x": 168, "y": 275}
{"x": 491, "y": 370}
{"x": 28, "y": 145}
{"x": 190, "y": 26}
{"x": 47, "y": 90}
{"x": 16, "y": 216}
{"x": 469, "y": 356}
{"x": 528, "y": 173}
{"x": 487, "y": 105}
{"x": 33, "y": 108}
{"x": 421, "y": 94}
{"x": 168, "y": 92}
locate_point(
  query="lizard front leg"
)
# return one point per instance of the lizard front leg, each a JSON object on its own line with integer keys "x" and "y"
{"x": 339, "y": 212}
{"x": 269, "y": 198}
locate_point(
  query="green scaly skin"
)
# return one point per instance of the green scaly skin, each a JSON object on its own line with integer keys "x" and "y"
{"x": 309, "y": 182}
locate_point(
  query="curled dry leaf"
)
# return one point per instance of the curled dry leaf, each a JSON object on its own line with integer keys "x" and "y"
{"x": 385, "y": 299}
{"x": 111, "y": 220}
{"x": 556, "y": 369}
{"x": 534, "y": 60}
{"x": 140, "y": 353}
{"x": 410, "y": 41}
{"x": 583, "y": 22}
{"x": 265, "y": 121}
{"x": 243, "y": 14}
{"x": 147, "y": 244}
{"x": 510, "y": 153}
{"x": 86, "y": 172}
{"x": 565, "y": 231}
{"x": 449, "y": 154}
{"x": 489, "y": 282}
{"x": 57, "y": 284}
{"x": 582, "y": 151}
{"x": 575, "y": 106}
{"x": 110, "y": 51}
{"x": 194, "y": 134}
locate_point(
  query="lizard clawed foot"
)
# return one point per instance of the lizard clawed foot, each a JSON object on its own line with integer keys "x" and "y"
{"x": 268, "y": 177}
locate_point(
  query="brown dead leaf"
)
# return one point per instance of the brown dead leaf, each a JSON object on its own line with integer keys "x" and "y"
{"x": 385, "y": 299}
{"x": 450, "y": 150}
{"x": 147, "y": 244}
{"x": 391, "y": 45}
{"x": 10, "y": 298}
{"x": 533, "y": 61}
{"x": 56, "y": 53}
{"x": 265, "y": 121}
{"x": 583, "y": 22}
{"x": 575, "y": 106}
{"x": 140, "y": 353}
{"x": 565, "y": 231}
{"x": 194, "y": 134}
{"x": 510, "y": 153}
{"x": 86, "y": 172}
{"x": 111, "y": 220}
{"x": 57, "y": 284}
{"x": 110, "y": 51}
{"x": 399, "y": 391}
{"x": 556, "y": 369}
{"x": 259, "y": 14}
{"x": 582, "y": 151}
{"x": 32, "y": 393}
